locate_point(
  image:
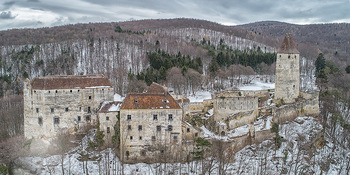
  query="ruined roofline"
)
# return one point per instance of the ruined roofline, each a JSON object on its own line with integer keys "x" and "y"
{"x": 288, "y": 45}
{"x": 70, "y": 82}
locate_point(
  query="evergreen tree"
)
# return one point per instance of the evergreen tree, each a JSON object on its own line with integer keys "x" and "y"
{"x": 320, "y": 63}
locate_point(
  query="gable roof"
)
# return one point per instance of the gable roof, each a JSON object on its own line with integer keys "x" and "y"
{"x": 156, "y": 97}
{"x": 70, "y": 82}
{"x": 288, "y": 45}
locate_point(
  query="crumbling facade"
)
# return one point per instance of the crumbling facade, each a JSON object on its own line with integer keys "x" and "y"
{"x": 55, "y": 104}
{"x": 108, "y": 117}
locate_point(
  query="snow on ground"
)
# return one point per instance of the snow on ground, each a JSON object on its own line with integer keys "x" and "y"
{"x": 257, "y": 85}
{"x": 200, "y": 96}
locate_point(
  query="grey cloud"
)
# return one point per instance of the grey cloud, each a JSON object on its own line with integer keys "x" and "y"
{"x": 6, "y": 15}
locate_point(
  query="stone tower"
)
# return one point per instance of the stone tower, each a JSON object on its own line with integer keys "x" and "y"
{"x": 287, "y": 71}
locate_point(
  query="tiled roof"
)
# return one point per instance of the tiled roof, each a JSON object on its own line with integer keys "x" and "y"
{"x": 70, "y": 82}
{"x": 111, "y": 106}
{"x": 288, "y": 45}
{"x": 156, "y": 98}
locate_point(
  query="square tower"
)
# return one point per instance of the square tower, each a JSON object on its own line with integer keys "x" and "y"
{"x": 287, "y": 71}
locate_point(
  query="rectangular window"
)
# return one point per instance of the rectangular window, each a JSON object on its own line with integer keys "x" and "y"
{"x": 175, "y": 138}
{"x": 89, "y": 97}
{"x": 170, "y": 117}
{"x": 37, "y": 110}
{"x": 129, "y": 127}
{"x": 107, "y": 118}
{"x": 89, "y": 109}
{"x": 140, "y": 127}
{"x": 196, "y": 134}
{"x": 140, "y": 138}
{"x": 153, "y": 138}
{"x": 108, "y": 129}
{"x": 66, "y": 109}
{"x": 155, "y": 117}
{"x": 131, "y": 138}
{"x": 56, "y": 121}
{"x": 40, "y": 121}
{"x": 87, "y": 118}
{"x": 79, "y": 118}
{"x": 128, "y": 117}
{"x": 158, "y": 128}
{"x": 170, "y": 127}
{"x": 52, "y": 110}
{"x": 188, "y": 130}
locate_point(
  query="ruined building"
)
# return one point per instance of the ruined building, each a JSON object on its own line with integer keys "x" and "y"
{"x": 63, "y": 103}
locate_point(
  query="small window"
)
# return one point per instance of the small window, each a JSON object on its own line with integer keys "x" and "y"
{"x": 49, "y": 91}
{"x": 170, "y": 127}
{"x": 89, "y": 97}
{"x": 129, "y": 127}
{"x": 37, "y": 110}
{"x": 56, "y": 121}
{"x": 196, "y": 134}
{"x": 108, "y": 129}
{"x": 131, "y": 138}
{"x": 140, "y": 138}
{"x": 288, "y": 56}
{"x": 175, "y": 138}
{"x": 78, "y": 90}
{"x": 188, "y": 130}
{"x": 79, "y": 108}
{"x": 127, "y": 153}
{"x": 40, "y": 121}
{"x": 128, "y": 117}
{"x": 158, "y": 128}
{"x": 87, "y": 118}
{"x": 135, "y": 100}
{"x": 153, "y": 138}
{"x": 89, "y": 109}
{"x": 107, "y": 118}
{"x": 56, "y": 91}
{"x": 70, "y": 91}
{"x": 140, "y": 127}
{"x": 66, "y": 109}
{"x": 79, "y": 118}
{"x": 52, "y": 110}
{"x": 155, "y": 117}
{"x": 170, "y": 117}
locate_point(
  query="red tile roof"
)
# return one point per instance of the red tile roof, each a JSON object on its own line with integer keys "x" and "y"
{"x": 288, "y": 45}
{"x": 156, "y": 97}
{"x": 70, "y": 82}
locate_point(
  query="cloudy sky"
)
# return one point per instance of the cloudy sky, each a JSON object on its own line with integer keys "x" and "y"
{"x": 47, "y": 13}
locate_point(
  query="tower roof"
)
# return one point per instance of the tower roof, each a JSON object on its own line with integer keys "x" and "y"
{"x": 288, "y": 45}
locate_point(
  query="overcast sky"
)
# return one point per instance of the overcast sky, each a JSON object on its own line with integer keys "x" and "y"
{"x": 47, "y": 13}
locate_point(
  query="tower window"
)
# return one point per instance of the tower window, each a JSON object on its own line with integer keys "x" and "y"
{"x": 107, "y": 118}
{"x": 155, "y": 117}
{"x": 108, "y": 129}
{"x": 79, "y": 118}
{"x": 153, "y": 138}
{"x": 158, "y": 128}
{"x": 129, "y": 127}
{"x": 87, "y": 118}
{"x": 89, "y": 97}
{"x": 188, "y": 130}
{"x": 37, "y": 110}
{"x": 66, "y": 109}
{"x": 131, "y": 137}
{"x": 140, "y": 138}
{"x": 175, "y": 138}
{"x": 52, "y": 110}
{"x": 128, "y": 117}
{"x": 140, "y": 127}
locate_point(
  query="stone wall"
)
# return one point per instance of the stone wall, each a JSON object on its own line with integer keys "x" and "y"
{"x": 225, "y": 106}
{"x": 242, "y": 118}
{"x": 149, "y": 133}
{"x": 47, "y": 112}
{"x": 107, "y": 122}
